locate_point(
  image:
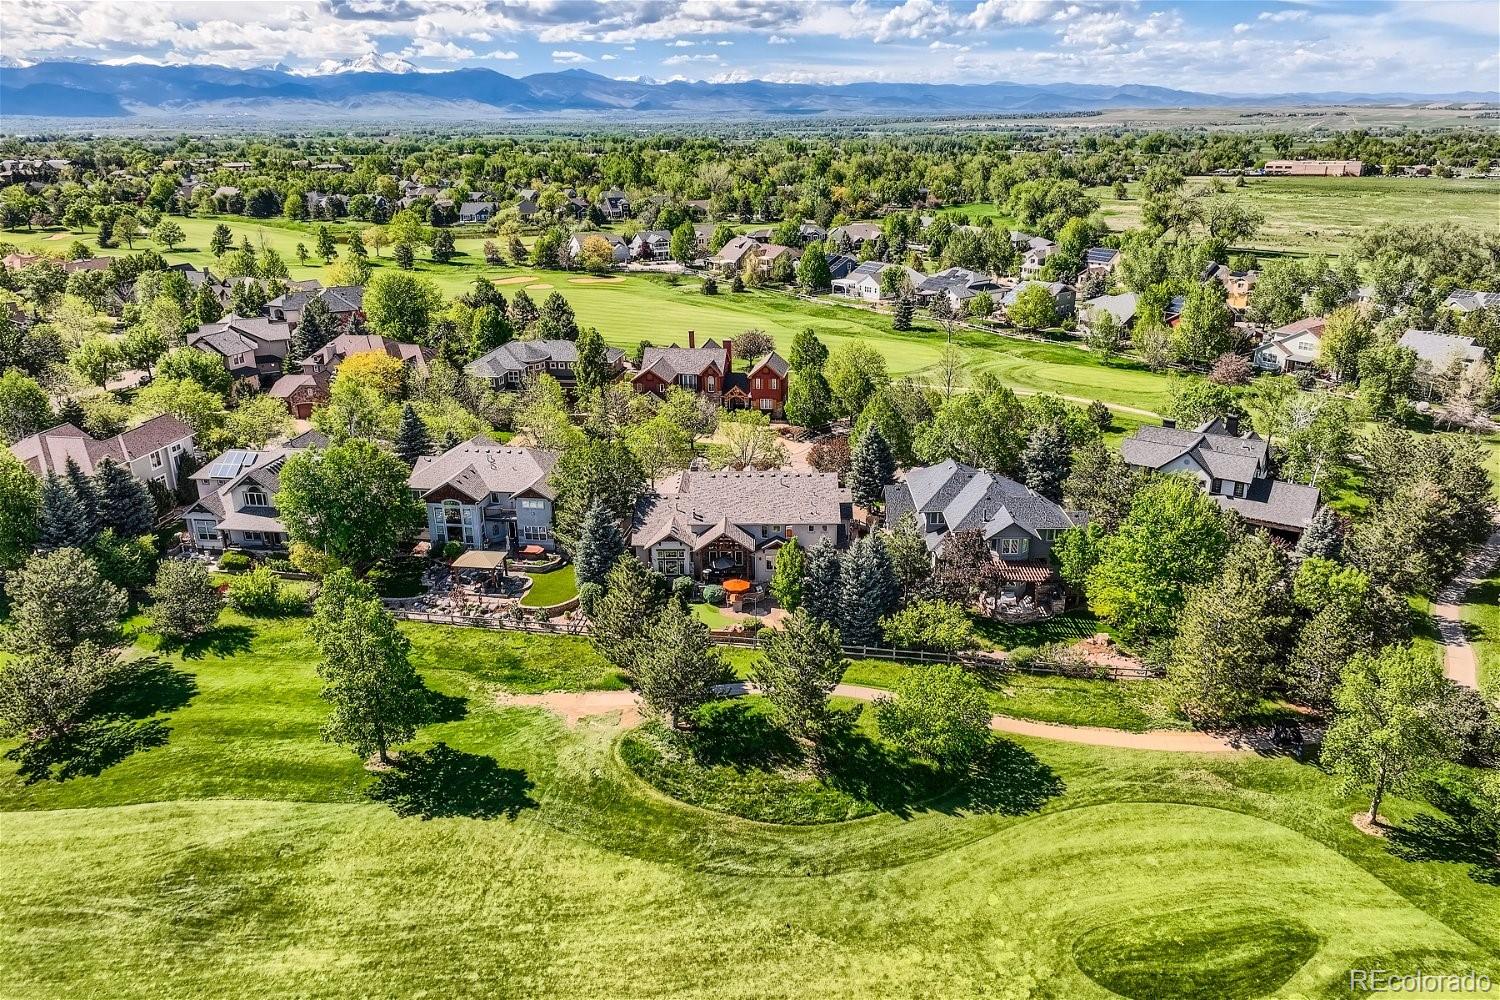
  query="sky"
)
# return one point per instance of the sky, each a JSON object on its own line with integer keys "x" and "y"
{"x": 1273, "y": 46}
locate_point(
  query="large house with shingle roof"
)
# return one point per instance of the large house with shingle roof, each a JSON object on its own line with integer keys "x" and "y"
{"x": 1233, "y": 468}
{"x": 236, "y": 505}
{"x": 486, "y": 495}
{"x": 716, "y": 525}
{"x": 302, "y": 391}
{"x": 1466, "y": 300}
{"x": 1293, "y": 347}
{"x": 1439, "y": 354}
{"x": 345, "y": 302}
{"x": 151, "y": 450}
{"x": 253, "y": 348}
{"x": 1019, "y": 525}
{"x": 709, "y": 372}
{"x": 510, "y": 365}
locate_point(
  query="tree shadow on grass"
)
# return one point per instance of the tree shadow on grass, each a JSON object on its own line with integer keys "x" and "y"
{"x": 443, "y": 782}
{"x": 875, "y": 772}
{"x": 1010, "y": 780}
{"x": 735, "y": 734}
{"x": 119, "y": 724}
{"x": 221, "y": 642}
{"x": 1462, "y": 835}
{"x": 447, "y": 707}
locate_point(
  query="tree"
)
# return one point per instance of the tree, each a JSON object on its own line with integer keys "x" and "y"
{"x": 58, "y": 600}
{"x": 1173, "y": 538}
{"x": 902, "y": 313}
{"x": 327, "y": 248}
{"x": 1194, "y": 401}
{"x": 871, "y": 469}
{"x": 168, "y": 234}
{"x": 1103, "y": 335}
{"x": 799, "y": 666}
{"x": 375, "y": 370}
{"x": 220, "y": 240}
{"x": 186, "y": 400}
{"x": 124, "y": 504}
{"x": 679, "y": 668}
{"x": 191, "y": 364}
{"x": 63, "y": 523}
{"x": 1206, "y": 328}
{"x": 1346, "y": 336}
{"x": 20, "y": 511}
{"x": 1033, "y": 308}
{"x": 591, "y": 371}
{"x": 1323, "y": 538}
{"x": 24, "y": 409}
{"x": 185, "y": 602}
{"x": 938, "y": 712}
{"x": 983, "y": 428}
{"x": 786, "y": 575}
{"x": 813, "y": 274}
{"x": 376, "y": 696}
{"x": 633, "y": 594}
{"x": 869, "y": 590}
{"x": 401, "y": 306}
{"x": 88, "y": 497}
{"x": 555, "y": 320}
{"x": 412, "y": 440}
{"x": 443, "y": 249}
{"x": 808, "y": 400}
{"x": 350, "y": 500}
{"x": 944, "y": 626}
{"x": 684, "y": 245}
{"x": 1230, "y": 634}
{"x": 1386, "y": 730}
{"x": 97, "y": 361}
{"x": 822, "y": 584}
{"x": 753, "y": 344}
{"x": 855, "y": 373}
{"x": 807, "y": 352}
{"x": 599, "y": 545}
{"x": 594, "y": 470}
{"x": 1046, "y": 460}
{"x": 405, "y": 256}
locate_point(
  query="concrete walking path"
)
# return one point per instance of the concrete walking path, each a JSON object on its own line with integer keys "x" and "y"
{"x": 576, "y": 705}
{"x": 1459, "y": 662}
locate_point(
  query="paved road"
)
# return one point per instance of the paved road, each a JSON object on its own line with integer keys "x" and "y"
{"x": 1459, "y": 662}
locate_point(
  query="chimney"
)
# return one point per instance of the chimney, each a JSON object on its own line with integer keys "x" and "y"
{"x": 1168, "y": 422}
{"x": 1232, "y": 425}
{"x": 728, "y": 356}
{"x": 692, "y": 339}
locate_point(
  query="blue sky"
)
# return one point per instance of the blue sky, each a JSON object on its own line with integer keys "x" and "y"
{"x": 1357, "y": 45}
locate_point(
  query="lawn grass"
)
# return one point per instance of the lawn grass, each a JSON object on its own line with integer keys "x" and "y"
{"x": 239, "y": 849}
{"x": 1481, "y": 614}
{"x": 551, "y": 588}
{"x": 716, "y": 616}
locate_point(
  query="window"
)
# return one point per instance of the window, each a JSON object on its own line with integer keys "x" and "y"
{"x": 758, "y": 383}
{"x": 772, "y": 530}
{"x": 1049, "y": 534}
{"x": 934, "y": 520}
{"x": 530, "y": 504}
{"x": 156, "y": 460}
{"x": 1239, "y": 489}
{"x": 1013, "y": 546}
{"x": 453, "y": 520}
{"x": 176, "y": 448}
{"x": 688, "y": 381}
{"x": 535, "y": 532}
{"x": 765, "y": 404}
{"x": 671, "y": 562}
{"x": 773, "y": 384}
{"x": 204, "y": 531}
{"x": 255, "y": 497}
{"x": 711, "y": 383}
{"x": 1217, "y": 486}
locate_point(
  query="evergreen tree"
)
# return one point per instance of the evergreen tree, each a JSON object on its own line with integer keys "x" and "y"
{"x": 871, "y": 468}
{"x": 220, "y": 240}
{"x": 556, "y": 320}
{"x": 801, "y": 664}
{"x": 807, "y": 352}
{"x": 412, "y": 440}
{"x": 488, "y": 329}
{"x": 443, "y": 249}
{"x": 406, "y": 258}
{"x": 680, "y": 666}
{"x": 450, "y": 441}
{"x": 1323, "y": 538}
{"x": 88, "y": 499}
{"x": 125, "y": 504}
{"x": 822, "y": 594}
{"x": 523, "y": 314}
{"x": 314, "y": 330}
{"x": 633, "y": 594}
{"x": 591, "y": 371}
{"x": 62, "y": 524}
{"x": 599, "y": 546}
{"x": 1046, "y": 460}
{"x": 327, "y": 248}
{"x": 206, "y": 305}
{"x": 869, "y": 589}
{"x": 786, "y": 577}
{"x": 902, "y": 313}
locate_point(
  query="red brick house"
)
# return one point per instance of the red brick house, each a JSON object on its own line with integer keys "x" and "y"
{"x": 709, "y": 371}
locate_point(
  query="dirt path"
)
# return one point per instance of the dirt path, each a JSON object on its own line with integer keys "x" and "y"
{"x": 1459, "y": 662}
{"x": 575, "y": 706}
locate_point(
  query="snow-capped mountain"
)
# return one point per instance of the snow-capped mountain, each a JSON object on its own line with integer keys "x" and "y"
{"x": 370, "y": 62}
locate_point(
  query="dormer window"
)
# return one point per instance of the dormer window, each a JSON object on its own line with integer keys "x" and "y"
{"x": 256, "y": 497}
{"x": 1239, "y": 490}
{"x": 934, "y": 520}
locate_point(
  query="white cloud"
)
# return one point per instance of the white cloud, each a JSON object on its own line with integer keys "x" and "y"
{"x": 426, "y": 48}
{"x": 778, "y": 40}
{"x": 607, "y": 57}
{"x": 680, "y": 43}
{"x": 505, "y": 54}
{"x": 566, "y": 57}
{"x": 1241, "y": 28}
{"x": 711, "y": 57}
{"x": 723, "y": 41}
{"x": 1282, "y": 15}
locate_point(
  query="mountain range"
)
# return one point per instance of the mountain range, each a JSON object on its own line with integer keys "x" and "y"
{"x": 382, "y": 87}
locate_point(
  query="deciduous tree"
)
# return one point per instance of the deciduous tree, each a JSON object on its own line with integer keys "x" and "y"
{"x": 938, "y": 712}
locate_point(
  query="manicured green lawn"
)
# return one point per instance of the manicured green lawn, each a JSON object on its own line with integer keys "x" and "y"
{"x": 548, "y": 589}
{"x": 1482, "y": 621}
{"x": 718, "y": 616}
{"x": 228, "y": 845}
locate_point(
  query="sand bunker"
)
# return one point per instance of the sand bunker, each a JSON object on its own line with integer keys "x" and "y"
{"x": 519, "y": 279}
{"x": 595, "y": 281}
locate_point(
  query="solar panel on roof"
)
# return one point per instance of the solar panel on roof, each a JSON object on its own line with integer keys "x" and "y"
{"x": 230, "y": 463}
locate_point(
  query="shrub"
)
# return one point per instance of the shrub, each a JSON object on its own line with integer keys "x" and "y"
{"x": 939, "y": 712}
{"x": 257, "y": 593}
{"x": 312, "y": 560}
{"x": 682, "y": 588}
{"x": 713, "y": 594}
{"x": 452, "y": 550}
{"x": 184, "y": 601}
{"x": 234, "y": 562}
{"x": 710, "y": 286}
{"x": 1022, "y": 656}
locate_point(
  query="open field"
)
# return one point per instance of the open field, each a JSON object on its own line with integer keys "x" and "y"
{"x": 1324, "y": 215}
{"x": 237, "y": 848}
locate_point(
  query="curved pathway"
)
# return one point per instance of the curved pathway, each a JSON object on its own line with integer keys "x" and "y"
{"x": 576, "y": 705}
{"x": 1459, "y": 662}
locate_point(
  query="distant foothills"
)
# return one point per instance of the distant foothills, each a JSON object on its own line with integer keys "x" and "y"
{"x": 95, "y": 90}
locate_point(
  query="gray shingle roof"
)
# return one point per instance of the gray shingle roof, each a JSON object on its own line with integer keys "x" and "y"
{"x": 481, "y": 466}
{"x": 1466, "y": 300}
{"x": 1221, "y": 455}
{"x": 1274, "y": 502}
{"x": 516, "y": 355}
{"x": 688, "y": 504}
{"x": 669, "y": 362}
{"x": 1440, "y": 349}
{"x": 971, "y": 498}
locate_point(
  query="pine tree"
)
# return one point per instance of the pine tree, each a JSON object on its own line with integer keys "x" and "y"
{"x": 523, "y": 313}
{"x": 786, "y": 578}
{"x": 869, "y": 591}
{"x": 599, "y": 544}
{"x": 62, "y": 524}
{"x": 591, "y": 371}
{"x": 822, "y": 594}
{"x": 488, "y": 329}
{"x": 406, "y": 258}
{"x": 901, "y": 314}
{"x": 802, "y": 663}
{"x": 412, "y": 440}
{"x": 206, "y": 305}
{"x": 680, "y": 666}
{"x": 633, "y": 594}
{"x": 871, "y": 468}
{"x": 220, "y": 240}
{"x": 314, "y": 330}
{"x": 125, "y": 505}
{"x": 556, "y": 320}
{"x": 450, "y": 441}
{"x": 327, "y": 248}
{"x": 1047, "y": 461}
{"x": 88, "y": 499}
{"x": 1323, "y": 538}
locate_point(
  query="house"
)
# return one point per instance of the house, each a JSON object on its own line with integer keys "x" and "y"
{"x": 959, "y": 284}
{"x": 769, "y": 253}
{"x": 236, "y": 505}
{"x": 1063, "y": 295}
{"x": 731, "y": 255}
{"x": 1293, "y": 347}
{"x": 1019, "y": 525}
{"x": 1122, "y": 307}
{"x": 651, "y": 244}
{"x": 614, "y": 204}
{"x": 1442, "y": 353}
{"x": 1035, "y": 258}
{"x": 152, "y": 450}
{"x": 718, "y": 525}
{"x": 302, "y": 392}
{"x": 477, "y": 211}
{"x": 1025, "y": 241}
{"x": 840, "y": 265}
{"x": 346, "y": 303}
{"x": 253, "y": 348}
{"x": 762, "y": 388}
{"x": 703, "y": 235}
{"x": 510, "y": 365}
{"x": 486, "y": 495}
{"x": 619, "y": 249}
{"x": 854, "y": 235}
{"x": 1314, "y": 168}
{"x": 527, "y": 208}
{"x": 1463, "y": 300}
{"x": 1233, "y": 468}
{"x": 1237, "y": 284}
{"x": 1101, "y": 260}
{"x": 864, "y": 281}
{"x": 700, "y": 370}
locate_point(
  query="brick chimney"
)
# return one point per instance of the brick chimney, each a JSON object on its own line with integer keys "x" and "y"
{"x": 692, "y": 339}
{"x": 728, "y": 357}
